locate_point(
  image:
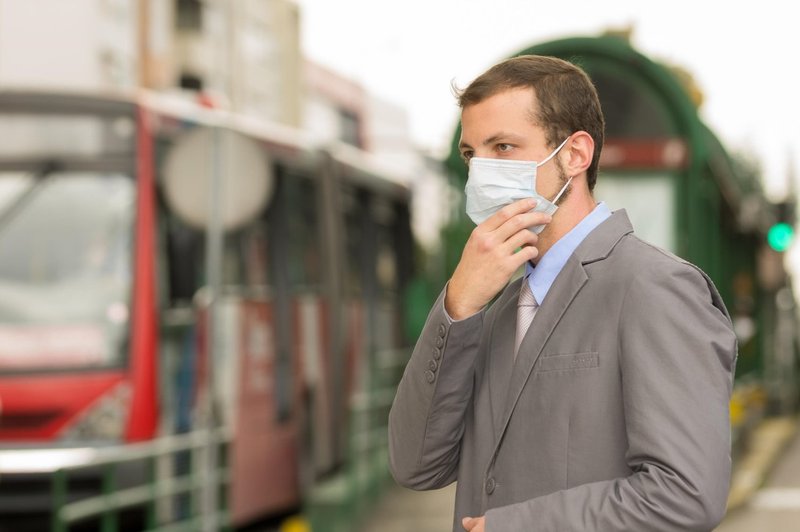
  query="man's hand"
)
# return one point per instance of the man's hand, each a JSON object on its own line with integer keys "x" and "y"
{"x": 490, "y": 258}
{"x": 474, "y": 524}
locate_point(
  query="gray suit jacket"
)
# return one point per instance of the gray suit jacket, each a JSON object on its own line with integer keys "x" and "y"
{"x": 614, "y": 416}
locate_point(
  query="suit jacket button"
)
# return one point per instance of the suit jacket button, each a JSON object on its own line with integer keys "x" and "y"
{"x": 442, "y": 330}
{"x": 439, "y": 341}
{"x": 437, "y": 353}
{"x": 490, "y": 485}
{"x": 429, "y": 376}
{"x": 432, "y": 365}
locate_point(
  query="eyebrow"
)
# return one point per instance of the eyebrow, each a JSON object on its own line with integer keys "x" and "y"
{"x": 494, "y": 138}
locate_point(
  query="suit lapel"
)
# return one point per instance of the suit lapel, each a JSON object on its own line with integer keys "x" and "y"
{"x": 502, "y": 352}
{"x": 564, "y": 289}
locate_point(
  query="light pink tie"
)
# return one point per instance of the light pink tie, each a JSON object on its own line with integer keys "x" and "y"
{"x": 526, "y": 310}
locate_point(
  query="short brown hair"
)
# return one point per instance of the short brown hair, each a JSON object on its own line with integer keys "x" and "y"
{"x": 568, "y": 100}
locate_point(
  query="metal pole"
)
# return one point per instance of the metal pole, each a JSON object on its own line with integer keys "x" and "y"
{"x": 214, "y": 253}
{"x": 59, "y": 499}
{"x": 110, "y": 514}
{"x": 214, "y": 257}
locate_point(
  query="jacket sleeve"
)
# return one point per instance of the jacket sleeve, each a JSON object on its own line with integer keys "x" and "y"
{"x": 677, "y": 352}
{"x": 426, "y": 421}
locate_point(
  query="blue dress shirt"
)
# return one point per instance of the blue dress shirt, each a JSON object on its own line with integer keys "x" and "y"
{"x": 541, "y": 276}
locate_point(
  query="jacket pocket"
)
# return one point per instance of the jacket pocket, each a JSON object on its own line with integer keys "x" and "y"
{"x": 567, "y": 361}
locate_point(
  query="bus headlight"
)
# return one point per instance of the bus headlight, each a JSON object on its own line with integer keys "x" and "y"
{"x": 104, "y": 420}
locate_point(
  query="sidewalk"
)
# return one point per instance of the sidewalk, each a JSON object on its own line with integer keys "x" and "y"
{"x": 404, "y": 510}
{"x": 775, "y": 504}
{"x": 764, "y": 447}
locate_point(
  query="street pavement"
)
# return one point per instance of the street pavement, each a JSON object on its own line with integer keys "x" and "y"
{"x": 775, "y": 505}
{"x": 404, "y": 510}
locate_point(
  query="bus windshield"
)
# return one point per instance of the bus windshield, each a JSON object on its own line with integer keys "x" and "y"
{"x": 65, "y": 269}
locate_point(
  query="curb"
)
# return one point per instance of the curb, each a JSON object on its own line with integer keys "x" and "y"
{"x": 764, "y": 447}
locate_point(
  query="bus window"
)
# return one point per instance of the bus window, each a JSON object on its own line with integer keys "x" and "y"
{"x": 185, "y": 271}
{"x": 244, "y": 264}
{"x": 295, "y": 263}
{"x": 354, "y": 207}
{"x": 386, "y": 247}
{"x": 302, "y": 228}
{"x": 65, "y": 269}
{"x": 254, "y": 246}
{"x": 386, "y": 273}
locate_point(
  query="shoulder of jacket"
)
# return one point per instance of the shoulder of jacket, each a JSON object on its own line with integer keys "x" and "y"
{"x": 642, "y": 251}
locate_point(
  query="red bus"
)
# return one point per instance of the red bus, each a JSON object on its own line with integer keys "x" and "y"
{"x": 110, "y": 269}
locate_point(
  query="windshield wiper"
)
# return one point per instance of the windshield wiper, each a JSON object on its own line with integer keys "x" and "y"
{"x": 38, "y": 178}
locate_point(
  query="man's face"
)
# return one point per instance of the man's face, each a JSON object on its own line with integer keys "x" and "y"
{"x": 500, "y": 127}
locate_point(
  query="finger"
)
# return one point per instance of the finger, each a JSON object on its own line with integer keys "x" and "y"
{"x": 508, "y": 212}
{"x": 521, "y": 221}
{"x": 467, "y": 523}
{"x": 521, "y": 239}
{"x": 522, "y": 256}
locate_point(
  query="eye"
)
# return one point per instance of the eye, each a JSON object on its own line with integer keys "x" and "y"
{"x": 504, "y": 148}
{"x": 466, "y": 155}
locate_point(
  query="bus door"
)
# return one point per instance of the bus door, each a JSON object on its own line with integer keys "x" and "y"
{"x": 299, "y": 268}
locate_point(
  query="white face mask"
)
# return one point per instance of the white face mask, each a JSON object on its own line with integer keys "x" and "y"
{"x": 495, "y": 183}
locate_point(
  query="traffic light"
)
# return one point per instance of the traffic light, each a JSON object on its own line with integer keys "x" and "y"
{"x": 780, "y": 236}
{"x": 781, "y": 233}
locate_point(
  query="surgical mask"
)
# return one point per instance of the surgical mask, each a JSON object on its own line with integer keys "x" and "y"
{"x": 495, "y": 183}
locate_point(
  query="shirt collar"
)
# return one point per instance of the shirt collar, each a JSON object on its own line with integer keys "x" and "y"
{"x": 542, "y": 276}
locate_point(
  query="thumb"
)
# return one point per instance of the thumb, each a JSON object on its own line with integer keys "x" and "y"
{"x": 467, "y": 523}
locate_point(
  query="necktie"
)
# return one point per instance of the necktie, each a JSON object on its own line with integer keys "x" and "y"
{"x": 526, "y": 309}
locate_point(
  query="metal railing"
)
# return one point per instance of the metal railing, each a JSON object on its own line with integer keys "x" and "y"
{"x": 340, "y": 503}
{"x": 169, "y": 496}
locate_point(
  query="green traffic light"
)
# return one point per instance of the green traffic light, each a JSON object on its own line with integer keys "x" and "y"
{"x": 780, "y": 236}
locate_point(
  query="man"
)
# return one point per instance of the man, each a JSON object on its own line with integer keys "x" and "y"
{"x": 609, "y": 410}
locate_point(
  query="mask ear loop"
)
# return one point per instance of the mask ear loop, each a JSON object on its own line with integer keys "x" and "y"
{"x": 563, "y": 189}
{"x": 553, "y": 154}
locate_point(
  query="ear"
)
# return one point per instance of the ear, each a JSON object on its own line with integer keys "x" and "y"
{"x": 580, "y": 150}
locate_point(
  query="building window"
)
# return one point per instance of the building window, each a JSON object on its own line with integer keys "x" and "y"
{"x": 189, "y": 15}
{"x": 350, "y": 128}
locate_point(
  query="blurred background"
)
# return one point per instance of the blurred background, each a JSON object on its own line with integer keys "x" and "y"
{"x": 223, "y": 223}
